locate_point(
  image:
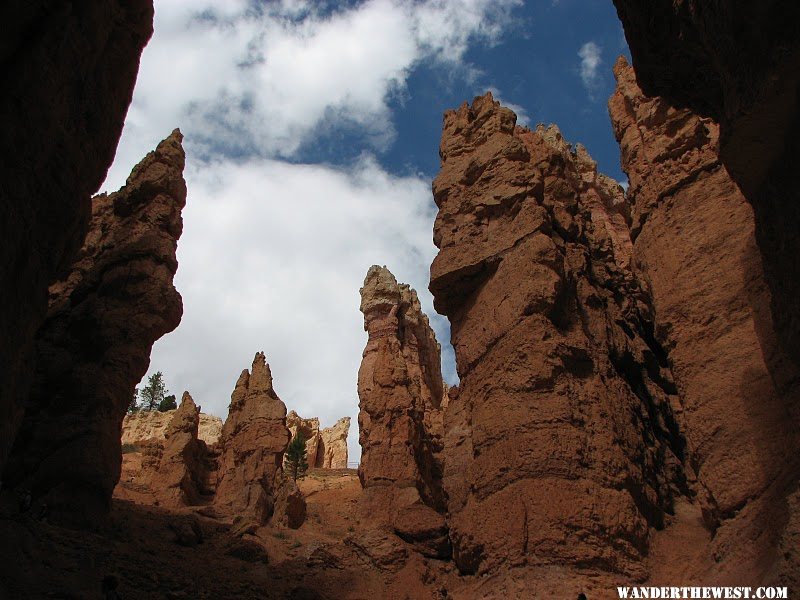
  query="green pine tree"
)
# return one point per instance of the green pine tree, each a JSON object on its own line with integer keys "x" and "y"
{"x": 168, "y": 403}
{"x": 295, "y": 460}
{"x": 134, "y": 405}
{"x": 153, "y": 393}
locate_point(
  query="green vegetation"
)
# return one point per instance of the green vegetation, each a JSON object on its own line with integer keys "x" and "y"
{"x": 295, "y": 460}
{"x": 168, "y": 403}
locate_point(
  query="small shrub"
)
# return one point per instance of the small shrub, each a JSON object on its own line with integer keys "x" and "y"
{"x": 128, "y": 448}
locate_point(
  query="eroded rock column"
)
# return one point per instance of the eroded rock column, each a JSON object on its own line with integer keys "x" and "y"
{"x": 560, "y": 443}
{"x": 253, "y": 441}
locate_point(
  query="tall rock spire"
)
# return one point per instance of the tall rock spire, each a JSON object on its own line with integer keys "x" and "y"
{"x": 252, "y": 444}
{"x": 560, "y": 444}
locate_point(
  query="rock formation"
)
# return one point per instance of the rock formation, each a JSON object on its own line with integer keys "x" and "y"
{"x": 94, "y": 346}
{"x": 145, "y": 425}
{"x": 325, "y": 449}
{"x": 309, "y": 428}
{"x": 696, "y": 254}
{"x": 738, "y": 63}
{"x": 67, "y": 80}
{"x": 561, "y": 447}
{"x": 252, "y": 444}
{"x": 399, "y": 381}
{"x": 178, "y": 475}
{"x": 399, "y": 386}
{"x": 332, "y": 451}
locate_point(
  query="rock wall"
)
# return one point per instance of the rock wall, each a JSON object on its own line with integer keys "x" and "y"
{"x": 67, "y": 80}
{"x": 94, "y": 346}
{"x": 738, "y": 63}
{"x": 561, "y": 447}
{"x": 252, "y": 444}
{"x": 399, "y": 381}
{"x": 144, "y": 425}
{"x": 695, "y": 253}
{"x": 332, "y": 452}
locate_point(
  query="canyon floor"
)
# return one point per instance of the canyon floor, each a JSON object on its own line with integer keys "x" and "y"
{"x": 195, "y": 553}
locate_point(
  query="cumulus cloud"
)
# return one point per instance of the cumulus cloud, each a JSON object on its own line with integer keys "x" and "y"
{"x": 272, "y": 258}
{"x": 262, "y": 82}
{"x": 274, "y": 251}
{"x": 591, "y": 59}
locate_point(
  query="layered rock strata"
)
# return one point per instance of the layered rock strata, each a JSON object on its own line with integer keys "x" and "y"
{"x": 695, "y": 252}
{"x": 146, "y": 425}
{"x": 67, "y": 79}
{"x": 399, "y": 388}
{"x": 332, "y": 451}
{"x": 178, "y": 471}
{"x": 252, "y": 445}
{"x": 738, "y": 63}
{"x": 116, "y": 300}
{"x": 560, "y": 444}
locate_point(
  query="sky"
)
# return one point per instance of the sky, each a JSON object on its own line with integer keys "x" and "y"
{"x": 311, "y": 131}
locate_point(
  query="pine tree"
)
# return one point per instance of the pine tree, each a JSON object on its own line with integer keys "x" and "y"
{"x": 295, "y": 459}
{"x": 168, "y": 403}
{"x": 154, "y": 392}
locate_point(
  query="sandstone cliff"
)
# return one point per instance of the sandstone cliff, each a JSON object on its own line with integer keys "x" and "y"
{"x": 561, "y": 447}
{"x": 738, "y": 63}
{"x": 145, "y": 425}
{"x": 252, "y": 444}
{"x": 67, "y": 80}
{"x": 309, "y": 428}
{"x": 104, "y": 316}
{"x": 332, "y": 452}
{"x": 695, "y": 252}
{"x": 326, "y": 448}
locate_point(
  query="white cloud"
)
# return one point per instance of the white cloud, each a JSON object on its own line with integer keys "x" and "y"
{"x": 246, "y": 82}
{"x": 272, "y": 258}
{"x": 591, "y": 59}
{"x": 273, "y": 254}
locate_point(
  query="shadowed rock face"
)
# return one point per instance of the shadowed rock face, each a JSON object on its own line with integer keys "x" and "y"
{"x": 253, "y": 441}
{"x": 696, "y": 254}
{"x": 94, "y": 346}
{"x": 560, "y": 443}
{"x": 738, "y": 63}
{"x": 68, "y": 70}
{"x": 399, "y": 381}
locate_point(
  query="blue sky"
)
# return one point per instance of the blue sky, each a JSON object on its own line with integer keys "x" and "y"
{"x": 312, "y": 133}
